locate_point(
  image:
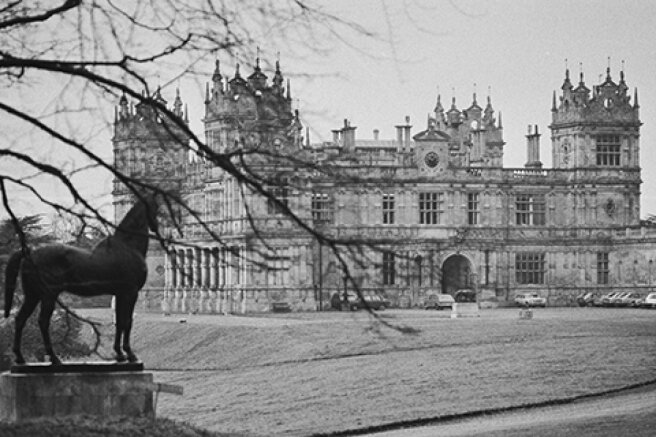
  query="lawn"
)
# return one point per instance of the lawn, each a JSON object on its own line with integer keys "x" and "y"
{"x": 305, "y": 374}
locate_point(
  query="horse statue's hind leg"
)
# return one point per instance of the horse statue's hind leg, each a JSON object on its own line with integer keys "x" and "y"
{"x": 47, "y": 308}
{"x": 27, "y": 308}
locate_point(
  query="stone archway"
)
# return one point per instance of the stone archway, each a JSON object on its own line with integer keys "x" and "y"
{"x": 456, "y": 274}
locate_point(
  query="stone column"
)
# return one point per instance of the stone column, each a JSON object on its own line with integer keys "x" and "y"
{"x": 180, "y": 280}
{"x": 169, "y": 283}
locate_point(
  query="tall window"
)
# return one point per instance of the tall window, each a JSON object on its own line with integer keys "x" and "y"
{"x": 431, "y": 207}
{"x": 472, "y": 208}
{"x": 280, "y": 192}
{"x": 388, "y": 209}
{"x": 321, "y": 207}
{"x": 608, "y": 150}
{"x": 602, "y": 268}
{"x": 388, "y": 268}
{"x": 530, "y": 209}
{"x": 529, "y": 268}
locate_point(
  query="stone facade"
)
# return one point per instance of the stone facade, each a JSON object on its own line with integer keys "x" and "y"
{"x": 420, "y": 214}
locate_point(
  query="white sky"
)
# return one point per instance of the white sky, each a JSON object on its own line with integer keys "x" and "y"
{"x": 518, "y": 48}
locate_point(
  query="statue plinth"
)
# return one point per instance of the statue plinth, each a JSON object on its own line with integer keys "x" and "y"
{"x": 100, "y": 389}
{"x": 73, "y": 367}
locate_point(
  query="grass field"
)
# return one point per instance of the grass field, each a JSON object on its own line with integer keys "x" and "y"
{"x": 305, "y": 374}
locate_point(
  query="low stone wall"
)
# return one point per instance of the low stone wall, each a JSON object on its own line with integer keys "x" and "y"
{"x": 235, "y": 301}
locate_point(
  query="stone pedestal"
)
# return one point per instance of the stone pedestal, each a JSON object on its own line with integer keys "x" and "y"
{"x": 114, "y": 393}
{"x": 525, "y": 314}
{"x": 465, "y": 309}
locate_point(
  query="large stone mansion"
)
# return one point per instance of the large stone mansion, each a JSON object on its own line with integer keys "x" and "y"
{"x": 426, "y": 212}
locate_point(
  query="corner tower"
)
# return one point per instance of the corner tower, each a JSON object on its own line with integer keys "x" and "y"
{"x": 595, "y": 134}
{"x": 599, "y": 130}
{"x": 250, "y": 112}
{"x": 148, "y": 146}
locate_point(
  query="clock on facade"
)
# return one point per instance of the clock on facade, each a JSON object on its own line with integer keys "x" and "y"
{"x": 431, "y": 159}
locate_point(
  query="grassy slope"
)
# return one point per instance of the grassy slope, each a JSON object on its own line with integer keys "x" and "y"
{"x": 338, "y": 374}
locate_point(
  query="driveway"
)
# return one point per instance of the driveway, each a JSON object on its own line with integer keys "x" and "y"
{"x": 632, "y": 412}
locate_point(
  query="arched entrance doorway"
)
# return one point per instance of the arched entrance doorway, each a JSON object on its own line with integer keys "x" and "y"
{"x": 456, "y": 274}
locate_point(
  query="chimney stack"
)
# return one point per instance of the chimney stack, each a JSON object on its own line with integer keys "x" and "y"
{"x": 533, "y": 148}
{"x": 348, "y": 135}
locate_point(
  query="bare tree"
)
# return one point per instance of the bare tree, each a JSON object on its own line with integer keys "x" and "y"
{"x": 66, "y": 63}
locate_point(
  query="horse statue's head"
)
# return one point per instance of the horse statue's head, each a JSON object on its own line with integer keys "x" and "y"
{"x": 141, "y": 218}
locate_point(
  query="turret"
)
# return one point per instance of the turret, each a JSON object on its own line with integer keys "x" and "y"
{"x": 257, "y": 79}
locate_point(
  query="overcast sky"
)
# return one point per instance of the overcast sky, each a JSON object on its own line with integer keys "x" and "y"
{"x": 516, "y": 49}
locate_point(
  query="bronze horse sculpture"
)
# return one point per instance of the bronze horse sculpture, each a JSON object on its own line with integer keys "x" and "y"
{"x": 115, "y": 266}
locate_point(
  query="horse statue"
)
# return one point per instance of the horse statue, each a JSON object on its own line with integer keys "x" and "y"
{"x": 115, "y": 266}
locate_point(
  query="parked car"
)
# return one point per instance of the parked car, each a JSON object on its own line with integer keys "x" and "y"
{"x": 650, "y": 301}
{"x": 606, "y": 298}
{"x": 628, "y": 299}
{"x": 373, "y": 301}
{"x": 586, "y": 298}
{"x": 616, "y": 300}
{"x": 465, "y": 295}
{"x": 530, "y": 299}
{"x": 439, "y": 301}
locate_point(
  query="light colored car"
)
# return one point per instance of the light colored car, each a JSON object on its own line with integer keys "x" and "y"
{"x": 650, "y": 301}
{"x": 607, "y": 298}
{"x": 439, "y": 301}
{"x": 627, "y": 300}
{"x": 586, "y": 298}
{"x": 530, "y": 299}
{"x": 618, "y": 299}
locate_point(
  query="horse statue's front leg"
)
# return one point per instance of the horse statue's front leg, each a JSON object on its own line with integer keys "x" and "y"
{"x": 120, "y": 356}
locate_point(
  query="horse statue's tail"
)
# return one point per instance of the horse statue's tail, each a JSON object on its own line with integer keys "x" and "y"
{"x": 11, "y": 275}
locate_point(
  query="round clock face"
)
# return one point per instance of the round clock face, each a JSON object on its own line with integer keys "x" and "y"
{"x": 431, "y": 159}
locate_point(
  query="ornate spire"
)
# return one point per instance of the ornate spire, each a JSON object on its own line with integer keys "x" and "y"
{"x": 289, "y": 90}
{"x": 554, "y": 108}
{"x": 277, "y": 78}
{"x": 500, "y": 125}
{"x": 158, "y": 96}
{"x": 567, "y": 84}
{"x": 608, "y": 77}
{"x": 635, "y": 99}
{"x": 258, "y": 79}
{"x": 177, "y": 103}
{"x": 438, "y": 105}
{"x": 474, "y": 102}
{"x": 216, "y": 77}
